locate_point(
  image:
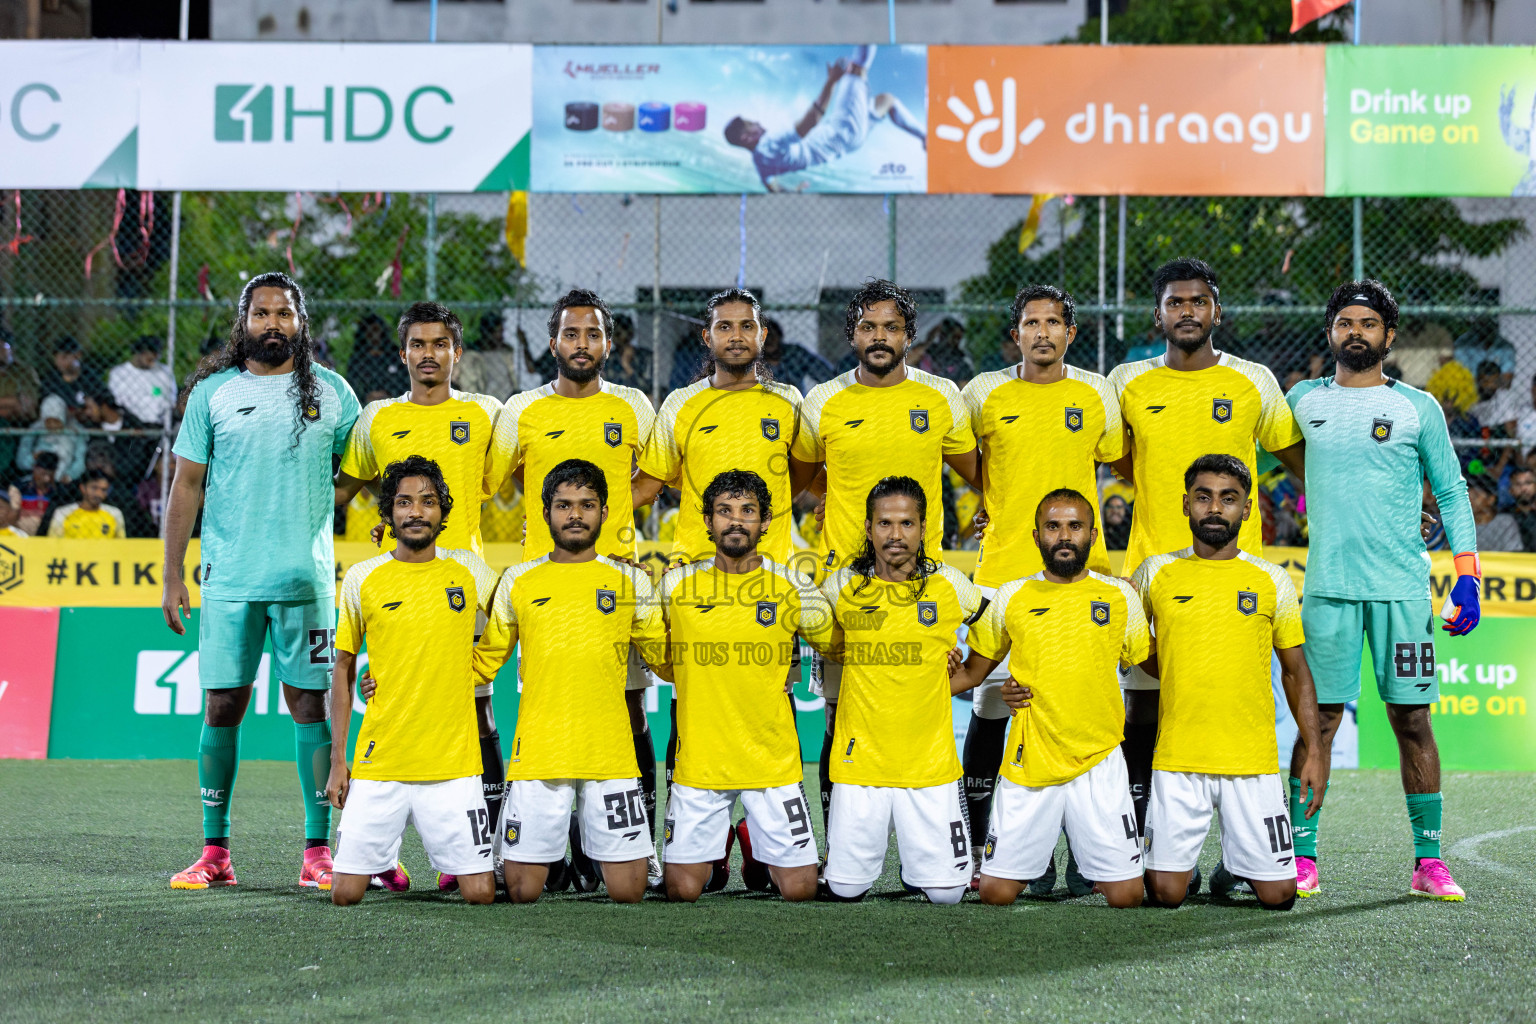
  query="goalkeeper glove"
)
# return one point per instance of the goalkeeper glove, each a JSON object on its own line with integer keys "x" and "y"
{"x": 1462, "y": 608}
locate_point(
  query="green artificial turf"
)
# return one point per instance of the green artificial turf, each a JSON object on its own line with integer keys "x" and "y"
{"x": 90, "y": 930}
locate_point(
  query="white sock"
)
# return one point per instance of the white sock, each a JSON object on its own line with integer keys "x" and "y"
{"x": 863, "y": 56}
{"x": 846, "y": 891}
{"x": 945, "y": 897}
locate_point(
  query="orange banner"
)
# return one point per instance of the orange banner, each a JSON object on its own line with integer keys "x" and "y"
{"x": 1133, "y": 120}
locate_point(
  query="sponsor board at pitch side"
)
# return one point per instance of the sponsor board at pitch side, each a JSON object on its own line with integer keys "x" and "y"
{"x": 69, "y": 113}
{"x": 329, "y": 116}
{"x": 1133, "y": 120}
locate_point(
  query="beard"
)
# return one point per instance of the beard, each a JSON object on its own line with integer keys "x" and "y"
{"x": 1216, "y": 533}
{"x": 1186, "y": 344}
{"x": 579, "y": 375}
{"x": 1068, "y": 567}
{"x": 736, "y": 543}
{"x": 1359, "y": 361}
{"x": 419, "y": 543}
{"x": 574, "y": 541}
{"x": 880, "y": 371}
{"x": 271, "y": 348}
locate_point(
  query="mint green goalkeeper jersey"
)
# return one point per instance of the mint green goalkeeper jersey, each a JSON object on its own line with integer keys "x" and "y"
{"x": 267, "y": 510}
{"x": 1368, "y": 453}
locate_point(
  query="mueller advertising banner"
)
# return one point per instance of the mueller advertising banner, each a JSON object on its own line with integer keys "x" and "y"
{"x": 69, "y": 114}
{"x": 450, "y": 117}
{"x": 1432, "y": 121}
{"x": 1137, "y": 120}
{"x": 730, "y": 119}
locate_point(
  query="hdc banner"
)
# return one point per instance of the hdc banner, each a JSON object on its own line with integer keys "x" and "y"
{"x": 1432, "y": 121}
{"x": 450, "y": 117}
{"x": 1138, "y": 120}
{"x": 69, "y": 114}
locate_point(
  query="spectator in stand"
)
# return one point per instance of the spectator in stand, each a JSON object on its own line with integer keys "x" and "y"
{"x": 68, "y": 379}
{"x": 792, "y": 364}
{"x": 1525, "y": 426}
{"x": 1496, "y": 531}
{"x": 144, "y": 386}
{"x": 627, "y": 364}
{"x": 1522, "y": 488}
{"x": 53, "y": 432}
{"x": 10, "y": 511}
{"x": 1117, "y": 523}
{"x": 375, "y": 370}
{"x": 1008, "y": 354}
{"x": 101, "y": 457}
{"x": 36, "y": 491}
{"x": 147, "y": 499}
{"x": 942, "y": 352}
{"x": 131, "y": 453}
{"x": 488, "y": 366}
{"x": 19, "y": 389}
{"x": 90, "y": 518}
{"x": 1498, "y": 408}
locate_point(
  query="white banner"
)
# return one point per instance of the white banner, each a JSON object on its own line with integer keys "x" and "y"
{"x": 68, "y": 113}
{"x": 323, "y": 116}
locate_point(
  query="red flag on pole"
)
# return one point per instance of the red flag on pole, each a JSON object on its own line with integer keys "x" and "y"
{"x": 1306, "y": 11}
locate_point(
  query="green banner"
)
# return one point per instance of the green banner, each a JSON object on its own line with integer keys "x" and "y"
{"x": 1483, "y": 721}
{"x": 1431, "y": 121}
{"x": 127, "y": 687}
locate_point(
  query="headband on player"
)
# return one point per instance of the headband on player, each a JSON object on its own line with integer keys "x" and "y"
{"x": 1361, "y": 299}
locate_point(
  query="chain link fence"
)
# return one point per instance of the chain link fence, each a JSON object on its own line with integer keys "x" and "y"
{"x": 86, "y": 296}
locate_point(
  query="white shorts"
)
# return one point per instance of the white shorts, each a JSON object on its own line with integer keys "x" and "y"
{"x": 699, "y": 820}
{"x": 449, "y": 816}
{"x": 987, "y": 699}
{"x": 933, "y": 837}
{"x": 484, "y": 689}
{"x": 1138, "y": 679}
{"x": 637, "y": 676}
{"x": 536, "y": 820}
{"x": 1255, "y": 823}
{"x": 826, "y": 678}
{"x": 1096, "y": 810}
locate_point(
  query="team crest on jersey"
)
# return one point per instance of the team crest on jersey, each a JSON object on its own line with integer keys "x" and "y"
{"x": 514, "y": 832}
{"x": 1098, "y": 611}
{"x": 456, "y": 598}
{"x": 770, "y": 428}
{"x": 613, "y": 434}
{"x": 1221, "y": 410}
{"x": 927, "y": 612}
{"x": 312, "y": 411}
{"x": 1247, "y": 602}
{"x": 458, "y": 431}
{"x": 919, "y": 420}
{"x": 1381, "y": 431}
{"x": 767, "y": 613}
{"x": 991, "y": 846}
{"x": 607, "y": 601}
{"x": 1074, "y": 419}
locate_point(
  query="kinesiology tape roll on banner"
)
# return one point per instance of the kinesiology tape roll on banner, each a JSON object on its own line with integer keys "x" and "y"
{"x": 581, "y": 117}
{"x": 655, "y": 117}
{"x": 619, "y": 117}
{"x": 690, "y": 117}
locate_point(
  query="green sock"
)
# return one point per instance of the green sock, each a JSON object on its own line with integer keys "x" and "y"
{"x": 218, "y": 759}
{"x": 1304, "y": 829}
{"x": 1424, "y": 816}
{"x": 313, "y": 756}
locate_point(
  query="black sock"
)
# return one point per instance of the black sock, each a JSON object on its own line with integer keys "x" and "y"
{"x": 824, "y": 773}
{"x": 645, "y": 754}
{"x": 982, "y": 758}
{"x": 310, "y": 844}
{"x": 1137, "y": 747}
{"x": 220, "y": 841}
{"x": 493, "y": 777}
{"x": 672, "y": 746}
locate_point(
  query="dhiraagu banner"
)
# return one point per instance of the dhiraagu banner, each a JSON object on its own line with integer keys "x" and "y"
{"x": 1431, "y": 121}
{"x": 449, "y": 117}
{"x": 1483, "y": 721}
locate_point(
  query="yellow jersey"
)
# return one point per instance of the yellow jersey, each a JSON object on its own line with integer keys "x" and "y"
{"x": 731, "y": 641}
{"x": 501, "y": 518}
{"x": 894, "y": 723}
{"x": 540, "y": 429}
{"x": 703, "y": 431}
{"x": 1216, "y": 622}
{"x": 419, "y": 621}
{"x": 864, "y": 434}
{"x": 362, "y": 515}
{"x": 455, "y": 434}
{"x": 1176, "y": 416}
{"x": 1035, "y": 438}
{"x": 1063, "y": 640}
{"x": 573, "y": 623}
{"x": 105, "y": 522}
